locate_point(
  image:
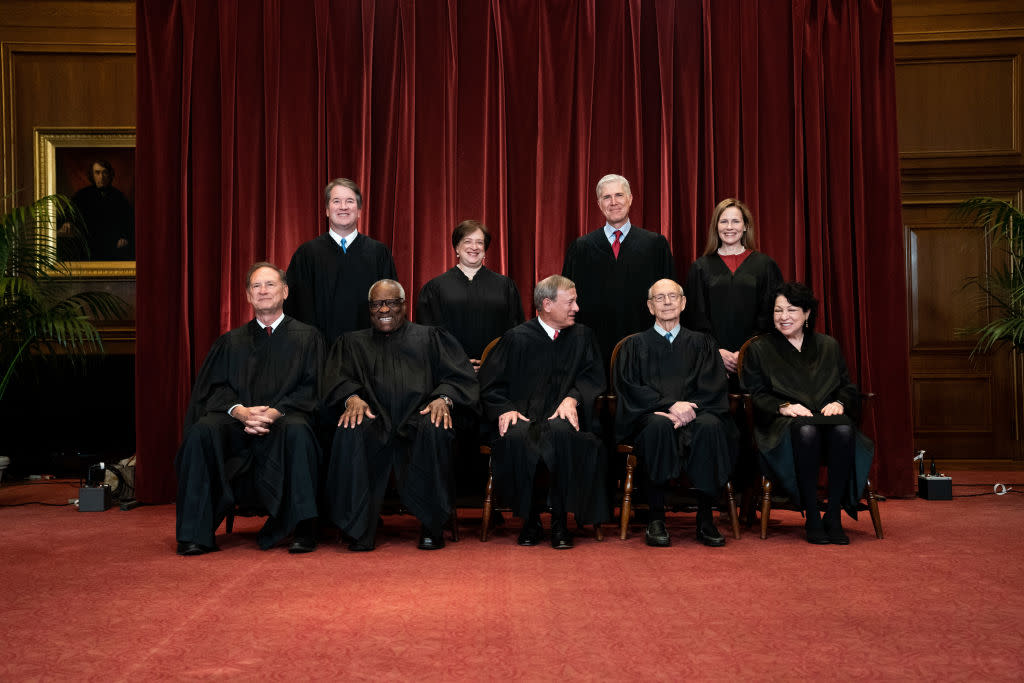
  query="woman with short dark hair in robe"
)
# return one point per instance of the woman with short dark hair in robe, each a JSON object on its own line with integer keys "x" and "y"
{"x": 475, "y": 305}
{"x": 805, "y": 411}
{"x": 471, "y": 301}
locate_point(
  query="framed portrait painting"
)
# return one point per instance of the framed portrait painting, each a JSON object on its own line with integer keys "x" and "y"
{"x": 96, "y": 168}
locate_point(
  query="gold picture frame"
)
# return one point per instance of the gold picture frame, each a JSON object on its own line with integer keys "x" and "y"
{"x": 63, "y": 164}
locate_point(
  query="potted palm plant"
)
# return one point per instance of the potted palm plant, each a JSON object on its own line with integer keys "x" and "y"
{"x": 40, "y": 314}
{"x": 1002, "y": 288}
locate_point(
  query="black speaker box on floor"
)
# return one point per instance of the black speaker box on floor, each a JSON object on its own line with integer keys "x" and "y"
{"x": 935, "y": 487}
{"x": 94, "y": 498}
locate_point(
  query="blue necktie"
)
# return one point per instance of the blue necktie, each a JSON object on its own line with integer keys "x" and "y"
{"x": 668, "y": 337}
{"x": 344, "y": 249}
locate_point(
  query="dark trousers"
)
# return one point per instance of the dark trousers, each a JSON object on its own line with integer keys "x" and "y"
{"x": 362, "y": 459}
{"x": 219, "y": 465}
{"x": 836, "y": 444}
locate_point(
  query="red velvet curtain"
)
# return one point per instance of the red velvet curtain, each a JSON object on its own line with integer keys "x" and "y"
{"x": 509, "y": 111}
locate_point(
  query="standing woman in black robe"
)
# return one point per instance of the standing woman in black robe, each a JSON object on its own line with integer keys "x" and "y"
{"x": 471, "y": 301}
{"x": 476, "y": 305}
{"x": 728, "y": 289}
{"x": 805, "y": 408}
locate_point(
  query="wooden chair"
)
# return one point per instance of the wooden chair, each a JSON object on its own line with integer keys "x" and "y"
{"x": 768, "y": 499}
{"x": 629, "y": 450}
{"x": 485, "y": 450}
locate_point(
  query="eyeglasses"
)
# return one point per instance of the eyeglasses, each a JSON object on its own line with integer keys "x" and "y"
{"x": 381, "y": 303}
{"x": 662, "y": 298}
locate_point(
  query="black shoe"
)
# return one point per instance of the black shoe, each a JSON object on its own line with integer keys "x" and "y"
{"x": 835, "y": 534}
{"x": 816, "y": 534}
{"x": 430, "y": 541}
{"x": 657, "y": 535}
{"x": 189, "y": 549}
{"x": 365, "y": 543}
{"x": 561, "y": 538}
{"x": 360, "y": 547}
{"x": 304, "y": 538}
{"x": 302, "y": 544}
{"x": 709, "y": 535}
{"x": 532, "y": 533}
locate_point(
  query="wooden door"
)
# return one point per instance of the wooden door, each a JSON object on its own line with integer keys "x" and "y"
{"x": 966, "y": 406}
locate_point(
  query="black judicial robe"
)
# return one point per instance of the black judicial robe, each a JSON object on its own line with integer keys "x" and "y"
{"x": 613, "y": 292}
{"x": 328, "y": 287}
{"x": 247, "y": 367}
{"x": 774, "y": 372}
{"x": 529, "y": 372}
{"x": 475, "y": 311}
{"x": 731, "y": 307}
{"x": 650, "y": 375}
{"x": 397, "y": 374}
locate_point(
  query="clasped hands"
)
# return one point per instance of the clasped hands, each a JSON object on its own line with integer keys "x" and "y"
{"x": 798, "y": 410}
{"x": 356, "y": 409}
{"x": 681, "y": 413}
{"x": 565, "y": 410}
{"x": 257, "y": 419}
{"x": 729, "y": 358}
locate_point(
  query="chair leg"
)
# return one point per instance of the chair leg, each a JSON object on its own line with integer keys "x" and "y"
{"x": 598, "y": 532}
{"x": 733, "y": 514}
{"x": 485, "y": 524}
{"x": 627, "y": 497}
{"x": 229, "y": 522}
{"x": 766, "y": 505}
{"x": 454, "y": 521}
{"x": 876, "y": 519}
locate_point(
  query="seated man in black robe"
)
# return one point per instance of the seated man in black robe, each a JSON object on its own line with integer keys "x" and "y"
{"x": 248, "y": 434}
{"x": 538, "y": 388}
{"x": 394, "y": 387}
{"x": 673, "y": 405}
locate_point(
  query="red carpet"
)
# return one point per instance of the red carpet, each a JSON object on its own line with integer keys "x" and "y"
{"x": 102, "y": 596}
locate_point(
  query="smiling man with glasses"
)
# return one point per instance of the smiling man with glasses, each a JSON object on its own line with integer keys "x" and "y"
{"x": 673, "y": 406}
{"x": 392, "y": 389}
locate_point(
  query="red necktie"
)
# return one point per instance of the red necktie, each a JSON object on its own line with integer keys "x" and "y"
{"x": 269, "y": 329}
{"x": 555, "y": 336}
{"x": 616, "y": 244}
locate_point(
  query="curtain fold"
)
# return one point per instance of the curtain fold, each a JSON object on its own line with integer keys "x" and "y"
{"x": 509, "y": 111}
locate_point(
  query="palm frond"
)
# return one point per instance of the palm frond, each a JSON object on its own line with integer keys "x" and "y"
{"x": 1001, "y": 290}
{"x": 38, "y": 310}
{"x": 999, "y": 218}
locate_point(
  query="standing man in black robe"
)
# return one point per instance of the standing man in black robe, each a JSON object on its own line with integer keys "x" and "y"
{"x": 538, "y": 388}
{"x": 248, "y": 437}
{"x": 329, "y": 275}
{"x": 673, "y": 405}
{"x": 613, "y": 267}
{"x": 393, "y": 387}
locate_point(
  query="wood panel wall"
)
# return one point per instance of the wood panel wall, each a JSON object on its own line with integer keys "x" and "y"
{"x": 64, "y": 63}
{"x": 67, "y": 63}
{"x": 959, "y": 80}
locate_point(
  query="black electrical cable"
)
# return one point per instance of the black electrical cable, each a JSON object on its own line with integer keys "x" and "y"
{"x": 34, "y": 502}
